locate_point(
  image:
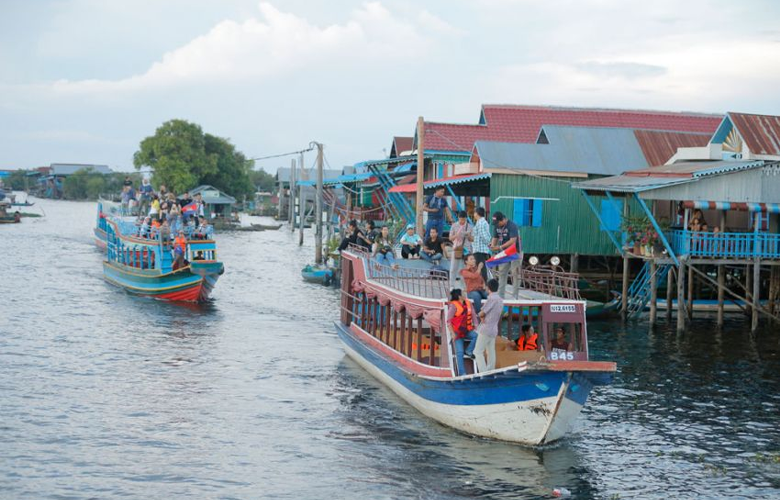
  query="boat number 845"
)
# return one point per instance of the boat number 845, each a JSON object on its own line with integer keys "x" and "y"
{"x": 559, "y": 355}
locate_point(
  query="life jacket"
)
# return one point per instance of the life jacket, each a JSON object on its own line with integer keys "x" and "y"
{"x": 180, "y": 242}
{"x": 462, "y": 321}
{"x": 527, "y": 344}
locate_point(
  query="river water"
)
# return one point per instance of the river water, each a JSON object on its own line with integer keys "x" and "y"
{"x": 106, "y": 395}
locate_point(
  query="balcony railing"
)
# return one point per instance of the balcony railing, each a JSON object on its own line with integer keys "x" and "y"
{"x": 725, "y": 245}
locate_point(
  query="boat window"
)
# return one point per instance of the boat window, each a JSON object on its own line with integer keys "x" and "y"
{"x": 565, "y": 341}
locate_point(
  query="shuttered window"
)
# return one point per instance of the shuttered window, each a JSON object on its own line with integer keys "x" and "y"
{"x": 527, "y": 213}
{"x": 610, "y": 214}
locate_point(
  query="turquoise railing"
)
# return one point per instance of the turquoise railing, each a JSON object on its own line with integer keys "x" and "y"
{"x": 725, "y": 245}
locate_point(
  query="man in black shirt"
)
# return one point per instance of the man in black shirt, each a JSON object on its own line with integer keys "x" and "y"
{"x": 432, "y": 251}
{"x": 505, "y": 235}
{"x": 354, "y": 236}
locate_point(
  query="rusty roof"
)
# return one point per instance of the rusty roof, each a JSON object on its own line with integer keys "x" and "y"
{"x": 761, "y": 133}
{"x": 401, "y": 145}
{"x": 658, "y": 146}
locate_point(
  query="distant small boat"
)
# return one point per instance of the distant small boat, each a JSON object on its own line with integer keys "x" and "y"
{"x": 320, "y": 275}
{"x": 10, "y": 219}
{"x": 22, "y": 204}
{"x": 709, "y": 305}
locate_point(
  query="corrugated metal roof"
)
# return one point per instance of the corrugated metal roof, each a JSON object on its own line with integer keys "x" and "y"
{"x": 514, "y": 123}
{"x": 451, "y": 181}
{"x": 761, "y": 133}
{"x": 590, "y": 150}
{"x": 693, "y": 169}
{"x": 212, "y": 195}
{"x": 658, "y": 145}
{"x": 667, "y": 175}
{"x": 401, "y": 145}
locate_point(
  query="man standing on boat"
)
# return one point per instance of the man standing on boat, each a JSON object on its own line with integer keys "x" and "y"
{"x": 487, "y": 331}
{"x": 506, "y": 236}
{"x": 481, "y": 244}
{"x": 437, "y": 209}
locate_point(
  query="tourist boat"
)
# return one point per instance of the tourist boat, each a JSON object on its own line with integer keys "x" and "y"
{"x": 144, "y": 266}
{"x": 393, "y": 324}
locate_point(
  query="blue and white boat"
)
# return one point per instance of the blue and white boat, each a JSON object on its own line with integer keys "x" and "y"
{"x": 393, "y": 323}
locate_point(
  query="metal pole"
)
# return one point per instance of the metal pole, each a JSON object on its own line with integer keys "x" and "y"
{"x": 318, "y": 209}
{"x": 420, "y": 173}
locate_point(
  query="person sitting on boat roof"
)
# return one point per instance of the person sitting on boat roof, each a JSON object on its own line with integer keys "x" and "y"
{"x": 559, "y": 342}
{"x": 462, "y": 319}
{"x": 202, "y": 232}
{"x": 475, "y": 284}
{"x": 489, "y": 317}
{"x": 528, "y": 340}
{"x": 353, "y": 236}
{"x": 367, "y": 239}
{"x": 410, "y": 243}
{"x": 432, "y": 251}
{"x": 383, "y": 249}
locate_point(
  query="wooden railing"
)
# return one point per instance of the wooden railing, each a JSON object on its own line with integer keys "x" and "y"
{"x": 552, "y": 282}
{"x": 725, "y": 245}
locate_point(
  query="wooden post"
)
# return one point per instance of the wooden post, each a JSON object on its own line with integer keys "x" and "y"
{"x": 420, "y": 174}
{"x": 690, "y": 292}
{"x": 721, "y": 293}
{"x": 409, "y": 336}
{"x": 575, "y": 263}
{"x": 318, "y": 209}
{"x": 624, "y": 289}
{"x": 301, "y": 213}
{"x": 669, "y": 288}
{"x": 419, "y": 338}
{"x": 681, "y": 296}
{"x": 756, "y": 294}
{"x": 748, "y": 288}
{"x": 653, "y": 292}
{"x": 291, "y": 204}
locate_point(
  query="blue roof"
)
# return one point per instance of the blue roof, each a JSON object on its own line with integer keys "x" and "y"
{"x": 406, "y": 167}
{"x": 588, "y": 150}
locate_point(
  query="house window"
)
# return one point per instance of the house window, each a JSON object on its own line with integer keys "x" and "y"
{"x": 527, "y": 213}
{"x": 610, "y": 214}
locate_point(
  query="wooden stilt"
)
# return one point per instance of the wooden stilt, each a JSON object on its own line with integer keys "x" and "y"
{"x": 653, "y": 292}
{"x": 681, "y": 296}
{"x": 756, "y": 294}
{"x": 748, "y": 288}
{"x": 689, "y": 309}
{"x": 624, "y": 289}
{"x": 669, "y": 290}
{"x": 774, "y": 289}
{"x": 575, "y": 263}
{"x": 721, "y": 293}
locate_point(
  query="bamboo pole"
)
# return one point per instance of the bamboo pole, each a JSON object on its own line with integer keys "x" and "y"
{"x": 291, "y": 201}
{"x": 301, "y": 214}
{"x": 690, "y": 293}
{"x": 756, "y": 294}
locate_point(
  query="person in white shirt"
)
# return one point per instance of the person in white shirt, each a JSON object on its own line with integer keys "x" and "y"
{"x": 410, "y": 243}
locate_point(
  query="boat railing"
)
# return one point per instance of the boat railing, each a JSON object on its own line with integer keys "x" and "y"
{"x": 429, "y": 283}
{"x": 552, "y": 282}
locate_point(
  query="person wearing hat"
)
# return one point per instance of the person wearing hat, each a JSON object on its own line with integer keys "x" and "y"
{"x": 505, "y": 235}
{"x": 410, "y": 243}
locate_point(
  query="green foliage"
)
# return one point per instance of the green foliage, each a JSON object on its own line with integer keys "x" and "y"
{"x": 86, "y": 184}
{"x": 262, "y": 180}
{"x": 183, "y": 157}
{"x": 17, "y": 180}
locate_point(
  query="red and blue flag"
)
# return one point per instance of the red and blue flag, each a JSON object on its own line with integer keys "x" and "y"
{"x": 503, "y": 257}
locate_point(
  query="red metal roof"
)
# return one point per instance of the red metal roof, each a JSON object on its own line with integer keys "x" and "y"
{"x": 401, "y": 144}
{"x": 658, "y": 146}
{"x": 761, "y": 133}
{"x": 511, "y": 123}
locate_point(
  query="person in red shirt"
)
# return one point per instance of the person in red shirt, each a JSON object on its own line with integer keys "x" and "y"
{"x": 475, "y": 284}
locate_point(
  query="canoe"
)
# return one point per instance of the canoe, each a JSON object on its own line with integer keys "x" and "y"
{"x": 321, "y": 276}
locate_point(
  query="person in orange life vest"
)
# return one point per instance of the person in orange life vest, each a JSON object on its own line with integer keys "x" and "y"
{"x": 179, "y": 247}
{"x": 461, "y": 318}
{"x": 528, "y": 341}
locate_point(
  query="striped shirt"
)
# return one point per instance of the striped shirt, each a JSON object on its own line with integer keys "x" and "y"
{"x": 481, "y": 243}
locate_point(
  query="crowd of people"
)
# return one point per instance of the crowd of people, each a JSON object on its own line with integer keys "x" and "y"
{"x": 161, "y": 214}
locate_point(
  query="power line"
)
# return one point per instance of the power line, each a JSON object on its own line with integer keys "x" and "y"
{"x": 281, "y": 155}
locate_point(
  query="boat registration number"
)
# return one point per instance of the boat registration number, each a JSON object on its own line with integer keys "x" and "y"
{"x": 563, "y": 308}
{"x": 559, "y": 355}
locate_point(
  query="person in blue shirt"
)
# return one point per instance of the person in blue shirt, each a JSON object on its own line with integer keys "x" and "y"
{"x": 410, "y": 243}
{"x": 437, "y": 208}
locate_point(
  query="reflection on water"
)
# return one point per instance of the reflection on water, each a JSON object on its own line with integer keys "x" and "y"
{"x": 103, "y": 394}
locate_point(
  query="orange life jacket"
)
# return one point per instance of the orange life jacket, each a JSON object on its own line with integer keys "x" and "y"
{"x": 180, "y": 242}
{"x": 461, "y": 322}
{"x": 527, "y": 344}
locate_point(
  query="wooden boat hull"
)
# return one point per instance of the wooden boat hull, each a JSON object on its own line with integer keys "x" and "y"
{"x": 320, "y": 276}
{"x": 531, "y": 407}
{"x": 9, "y": 220}
{"x": 190, "y": 284}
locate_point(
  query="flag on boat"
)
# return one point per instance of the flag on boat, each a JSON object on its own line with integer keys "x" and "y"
{"x": 192, "y": 207}
{"x": 503, "y": 257}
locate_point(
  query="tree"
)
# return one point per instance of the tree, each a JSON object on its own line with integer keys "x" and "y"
{"x": 262, "y": 180}
{"x": 183, "y": 157}
{"x": 232, "y": 175}
{"x": 177, "y": 153}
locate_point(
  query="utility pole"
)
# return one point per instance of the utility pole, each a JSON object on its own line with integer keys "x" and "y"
{"x": 291, "y": 206}
{"x": 318, "y": 209}
{"x": 420, "y": 174}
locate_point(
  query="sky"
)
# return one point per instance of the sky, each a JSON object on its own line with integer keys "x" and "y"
{"x": 84, "y": 81}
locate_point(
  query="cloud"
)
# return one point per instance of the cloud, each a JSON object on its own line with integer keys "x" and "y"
{"x": 276, "y": 43}
{"x": 619, "y": 69}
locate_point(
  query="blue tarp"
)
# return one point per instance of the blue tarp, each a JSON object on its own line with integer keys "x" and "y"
{"x": 406, "y": 167}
